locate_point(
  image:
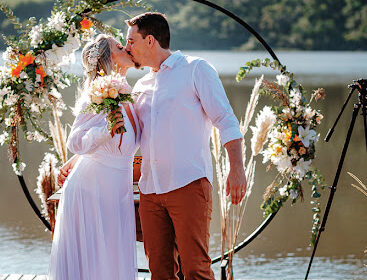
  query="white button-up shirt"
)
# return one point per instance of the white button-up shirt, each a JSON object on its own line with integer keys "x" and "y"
{"x": 176, "y": 109}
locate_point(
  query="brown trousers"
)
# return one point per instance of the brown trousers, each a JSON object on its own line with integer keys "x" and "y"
{"x": 177, "y": 223}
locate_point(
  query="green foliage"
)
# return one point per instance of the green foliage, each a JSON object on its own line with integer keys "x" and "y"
{"x": 284, "y": 24}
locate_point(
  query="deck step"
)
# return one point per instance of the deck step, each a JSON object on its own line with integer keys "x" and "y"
{"x": 34, "y": 277}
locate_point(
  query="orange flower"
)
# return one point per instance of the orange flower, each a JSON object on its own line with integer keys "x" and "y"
{"x": 86, "y": 24}
{"x": 15, "y": 70}
{"x": 41, "y": 72}
{"x": 296, "y": 138}
{"x": 287, "y": 134}
{"x": 26, "y": 59}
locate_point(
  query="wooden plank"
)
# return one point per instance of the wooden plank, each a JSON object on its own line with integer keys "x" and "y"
{"x": 3, "y": 276}
{"x": 39, "y": 277}
{"x": 14, "y": 277}
{"x": 28, "y": 277}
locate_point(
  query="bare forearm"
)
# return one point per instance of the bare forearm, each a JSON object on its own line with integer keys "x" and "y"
{"x": 236, "y": 181}
{"x": 234, "y": 149}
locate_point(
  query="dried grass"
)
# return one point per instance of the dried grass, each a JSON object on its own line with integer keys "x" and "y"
{"x": 46, "y": 186}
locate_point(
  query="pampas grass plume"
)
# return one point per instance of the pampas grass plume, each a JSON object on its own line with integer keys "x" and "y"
{"x": 46, "y": 186}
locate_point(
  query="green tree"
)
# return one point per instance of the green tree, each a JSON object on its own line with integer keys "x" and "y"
{"x": 355, "y": 12}
{"x": 321, "y": 26}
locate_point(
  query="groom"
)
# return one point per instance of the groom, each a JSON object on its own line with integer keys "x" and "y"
{"x": 180, "y": 99}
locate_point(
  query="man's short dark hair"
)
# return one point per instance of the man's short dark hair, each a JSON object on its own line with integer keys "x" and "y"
{"x": 155, "y": 24}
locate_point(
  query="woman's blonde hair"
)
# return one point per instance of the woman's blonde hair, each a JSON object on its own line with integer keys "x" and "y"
{"x": 92, "y": 70}
{"x": 104, "y": 58}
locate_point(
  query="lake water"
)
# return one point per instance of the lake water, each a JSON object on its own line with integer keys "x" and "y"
{"x": 281, "y": 251}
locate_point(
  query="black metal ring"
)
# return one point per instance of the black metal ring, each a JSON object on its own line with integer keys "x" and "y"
{"x": 262, "y": 226}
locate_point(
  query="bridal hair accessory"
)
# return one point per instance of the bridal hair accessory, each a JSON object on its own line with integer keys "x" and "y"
{"x": 93, "y": 56}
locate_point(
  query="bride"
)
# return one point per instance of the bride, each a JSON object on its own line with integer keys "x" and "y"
{"x": 94, "y": 236}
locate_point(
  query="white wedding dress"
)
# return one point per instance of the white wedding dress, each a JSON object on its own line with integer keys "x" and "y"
{"x": 94, "y": 237}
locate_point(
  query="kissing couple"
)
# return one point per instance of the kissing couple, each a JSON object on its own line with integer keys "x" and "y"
{"x": 171, "y": 119}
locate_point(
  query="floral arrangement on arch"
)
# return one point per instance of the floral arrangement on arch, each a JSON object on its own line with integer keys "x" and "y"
{"x": 31, "y": 79}
{"x": 33, "y": 76}
{"x": 285, "y": 135}
{"x": 290, "y": 132}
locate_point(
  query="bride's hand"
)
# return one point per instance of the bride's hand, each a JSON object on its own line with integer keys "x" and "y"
{"x": 66, "y": 169}
{"x": 116, "y": 115}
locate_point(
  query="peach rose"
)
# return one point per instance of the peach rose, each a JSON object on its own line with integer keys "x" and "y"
{"x": 113, "y": 93}
{"x": 96, "y": 99}
{"x": 104, "y": 93}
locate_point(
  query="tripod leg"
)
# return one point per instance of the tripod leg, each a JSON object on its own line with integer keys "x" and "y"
{"x": 365, "y": 123}
{"x": 336, "y": 179}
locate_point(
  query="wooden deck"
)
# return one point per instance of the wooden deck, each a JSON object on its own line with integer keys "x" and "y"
{"x": 32, "y": 277}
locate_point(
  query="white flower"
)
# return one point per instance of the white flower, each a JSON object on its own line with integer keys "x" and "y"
{"x": 36, "y": 35}
{"x": 23, "y": 75}
{"x": 306, "y": 135}
{"x": 38, "y": 137}
{"x": 282, "y": 80}
{"x": 281, "y": 160}
{"x": 29, "y": 136}
{"x": 264, "y": 122}
{"x": 295, "y": 97}
{"x": 9, "y": 52}
{"x": 55, "y": 93}
{"x": 302, "y": 167}
{"x": 18, "y": 168}
{"x": 309, "y": 113}
{"x": 4, "y": 91}
{"x": 283, "y": 191}
{"x": 293, "y": 194}
{"x": 11, "y": 100}
{"x": 5, "y": 73}
{"x": 74, "y": 42}
{"x": 28, "y": 85}
{"x": 288, "y": 112}
{"x": 3, "y": 138}
{"x": 35, "y": 108}
{"x": 88, "y": 35}
{"x": 8, "y": 121}
{"x": 57, "y": 21}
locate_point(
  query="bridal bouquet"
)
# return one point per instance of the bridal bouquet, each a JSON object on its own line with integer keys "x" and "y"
{"x": 106, "y": 93}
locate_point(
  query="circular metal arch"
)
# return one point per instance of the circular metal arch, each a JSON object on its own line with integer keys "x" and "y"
{"x": 264, "y": 224}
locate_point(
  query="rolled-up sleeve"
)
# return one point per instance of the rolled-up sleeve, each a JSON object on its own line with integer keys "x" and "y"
{"x": 214, "y": 101}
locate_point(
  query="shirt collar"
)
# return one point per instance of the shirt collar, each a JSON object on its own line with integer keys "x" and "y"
{"x": 172, "y": 59}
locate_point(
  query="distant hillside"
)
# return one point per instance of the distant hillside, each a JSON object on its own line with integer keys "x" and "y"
{"x": 285, "y": 24}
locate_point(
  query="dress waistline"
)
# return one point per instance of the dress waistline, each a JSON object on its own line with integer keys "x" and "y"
{"x": 118, "y": 162}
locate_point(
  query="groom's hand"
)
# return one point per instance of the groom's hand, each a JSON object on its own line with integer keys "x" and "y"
{"x": 236, "y": 181}
{"x": 236, "y": 184}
